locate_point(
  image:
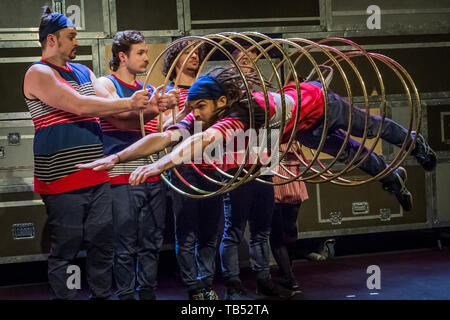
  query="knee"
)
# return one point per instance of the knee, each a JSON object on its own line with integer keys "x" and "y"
{"x": 260, "y": 236}
{"x": 233, "y": 235}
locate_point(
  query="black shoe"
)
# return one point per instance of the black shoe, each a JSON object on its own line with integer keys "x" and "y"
{"x": 268, "y": 287}
{"x": 423, "y": 153}
{"x": 291, "y": 284}
{"x": 210, "y": 294}
{"x": 235, "y": 291}
{"x": 397, "y": 186}
{"x": 146, "y": 294}
{"x": 128, "y": 296}
{"x": 197, "y": 294}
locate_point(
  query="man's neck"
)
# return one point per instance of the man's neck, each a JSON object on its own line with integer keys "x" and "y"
{"x": 57, "y": 61}
{"x": 186, "y": 79}
{"x": 126, "y": 76}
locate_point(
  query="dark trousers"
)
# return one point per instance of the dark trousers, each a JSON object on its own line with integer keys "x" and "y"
{"x": 252, "y": 202}
{"x": 338, "y": 110}
{"x": 283, "y": 236}
{"x": 74, "y": 218}
{"x": 139, "y": 218}
{"x": 197, "y": 226}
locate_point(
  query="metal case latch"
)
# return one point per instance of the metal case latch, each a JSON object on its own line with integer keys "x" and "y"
{"x": 385, "y": 214}
{"x": 359, "y": 208}
{"x": 336, "y": 217}
{"x": 23, "y": 231}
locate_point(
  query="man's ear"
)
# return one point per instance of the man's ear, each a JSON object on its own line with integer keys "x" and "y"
{"x": 122, "y": 56}
{"x": 51, "y": 40}
{"x": 222, "y": 102}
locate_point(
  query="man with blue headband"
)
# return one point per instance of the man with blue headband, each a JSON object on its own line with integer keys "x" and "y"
{"x": 64, "y": 100}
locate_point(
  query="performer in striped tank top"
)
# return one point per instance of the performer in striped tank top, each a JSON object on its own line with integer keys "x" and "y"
{"x": 64, "y": 100}
{"x": 138, "y": 211}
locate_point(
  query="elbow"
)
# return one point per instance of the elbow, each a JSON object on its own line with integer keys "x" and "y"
{"x": 81, "y": 108}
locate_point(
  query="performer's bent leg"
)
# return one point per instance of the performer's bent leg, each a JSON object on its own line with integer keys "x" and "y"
{"x": 338, "y": 109}
{"x": 391, "y": 132}
{"x": 394, "y": 182}
{"x": 151, "y": 201}
{"x": 372, "y": 165}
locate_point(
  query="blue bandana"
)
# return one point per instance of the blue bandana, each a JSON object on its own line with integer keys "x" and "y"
{"x": 205, "y": 87}
{"x": 58, "y": 22}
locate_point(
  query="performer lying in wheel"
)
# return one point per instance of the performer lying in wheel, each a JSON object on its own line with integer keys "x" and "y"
{"x": 218, "y": 100}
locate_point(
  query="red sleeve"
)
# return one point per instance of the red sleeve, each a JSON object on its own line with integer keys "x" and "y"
{"x": 228, "y": 126}
{"x": 187, "y": 123}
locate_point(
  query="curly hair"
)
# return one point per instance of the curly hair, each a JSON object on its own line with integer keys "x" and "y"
{"x": 233, "y": 83}
{"x": 122, "y": 43}
{"x": 173, "y": 52}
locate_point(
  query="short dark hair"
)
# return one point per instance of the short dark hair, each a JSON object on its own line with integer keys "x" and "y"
{"x": 46, "y": 18}
{"x": 122, "y": 43}
{"x": 173, "y": 52}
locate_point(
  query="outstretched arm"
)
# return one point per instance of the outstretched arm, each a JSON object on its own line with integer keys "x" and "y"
{"x": 148, "y": 145}
{"x": 183, "y": 153}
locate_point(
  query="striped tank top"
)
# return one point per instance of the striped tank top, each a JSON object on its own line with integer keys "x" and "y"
{"x": 115, "y": 140}
{"x": 63, "y": 139}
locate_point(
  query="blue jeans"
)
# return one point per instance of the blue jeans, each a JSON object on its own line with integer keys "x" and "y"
{"x": 252, "y": 202}
{"x": 75, "y": 218}
{"x": 197, "y": 226}
{"x": 338, "y": 110}
{"x": 139, "y": 218}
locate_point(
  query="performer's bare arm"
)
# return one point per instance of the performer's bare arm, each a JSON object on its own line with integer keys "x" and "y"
{"x": 183, "y": 153}
{"x": 146, "y": 146}
{"x": 131, "y": 119}
{"x": 41, "y": 82}
{"x": 180, "y": 115}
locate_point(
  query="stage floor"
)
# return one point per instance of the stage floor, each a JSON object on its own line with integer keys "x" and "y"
{"x": 404, "y": 275}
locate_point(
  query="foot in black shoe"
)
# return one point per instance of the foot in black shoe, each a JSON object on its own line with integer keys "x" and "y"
{"x": 423, "y": 153}
{"x": 197, "y": 294}
{"x": 235, "y": 291}
{"x": 210, "y": 294}
{"x": 397, "y": 186}
{"x": 268, "y": 287}
{"x": 146, "y": 294}
{"x": 291, "y": 284}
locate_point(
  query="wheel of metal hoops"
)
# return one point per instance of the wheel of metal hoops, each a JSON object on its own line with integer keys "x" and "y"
{"x": 284, "y": 56}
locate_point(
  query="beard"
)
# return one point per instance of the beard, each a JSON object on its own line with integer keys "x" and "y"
{"x": 73, "y": 55}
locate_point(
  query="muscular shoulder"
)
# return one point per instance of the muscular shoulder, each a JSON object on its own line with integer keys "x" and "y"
{"x": 39, "y": 70}
{"x": 35, "y": 75}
